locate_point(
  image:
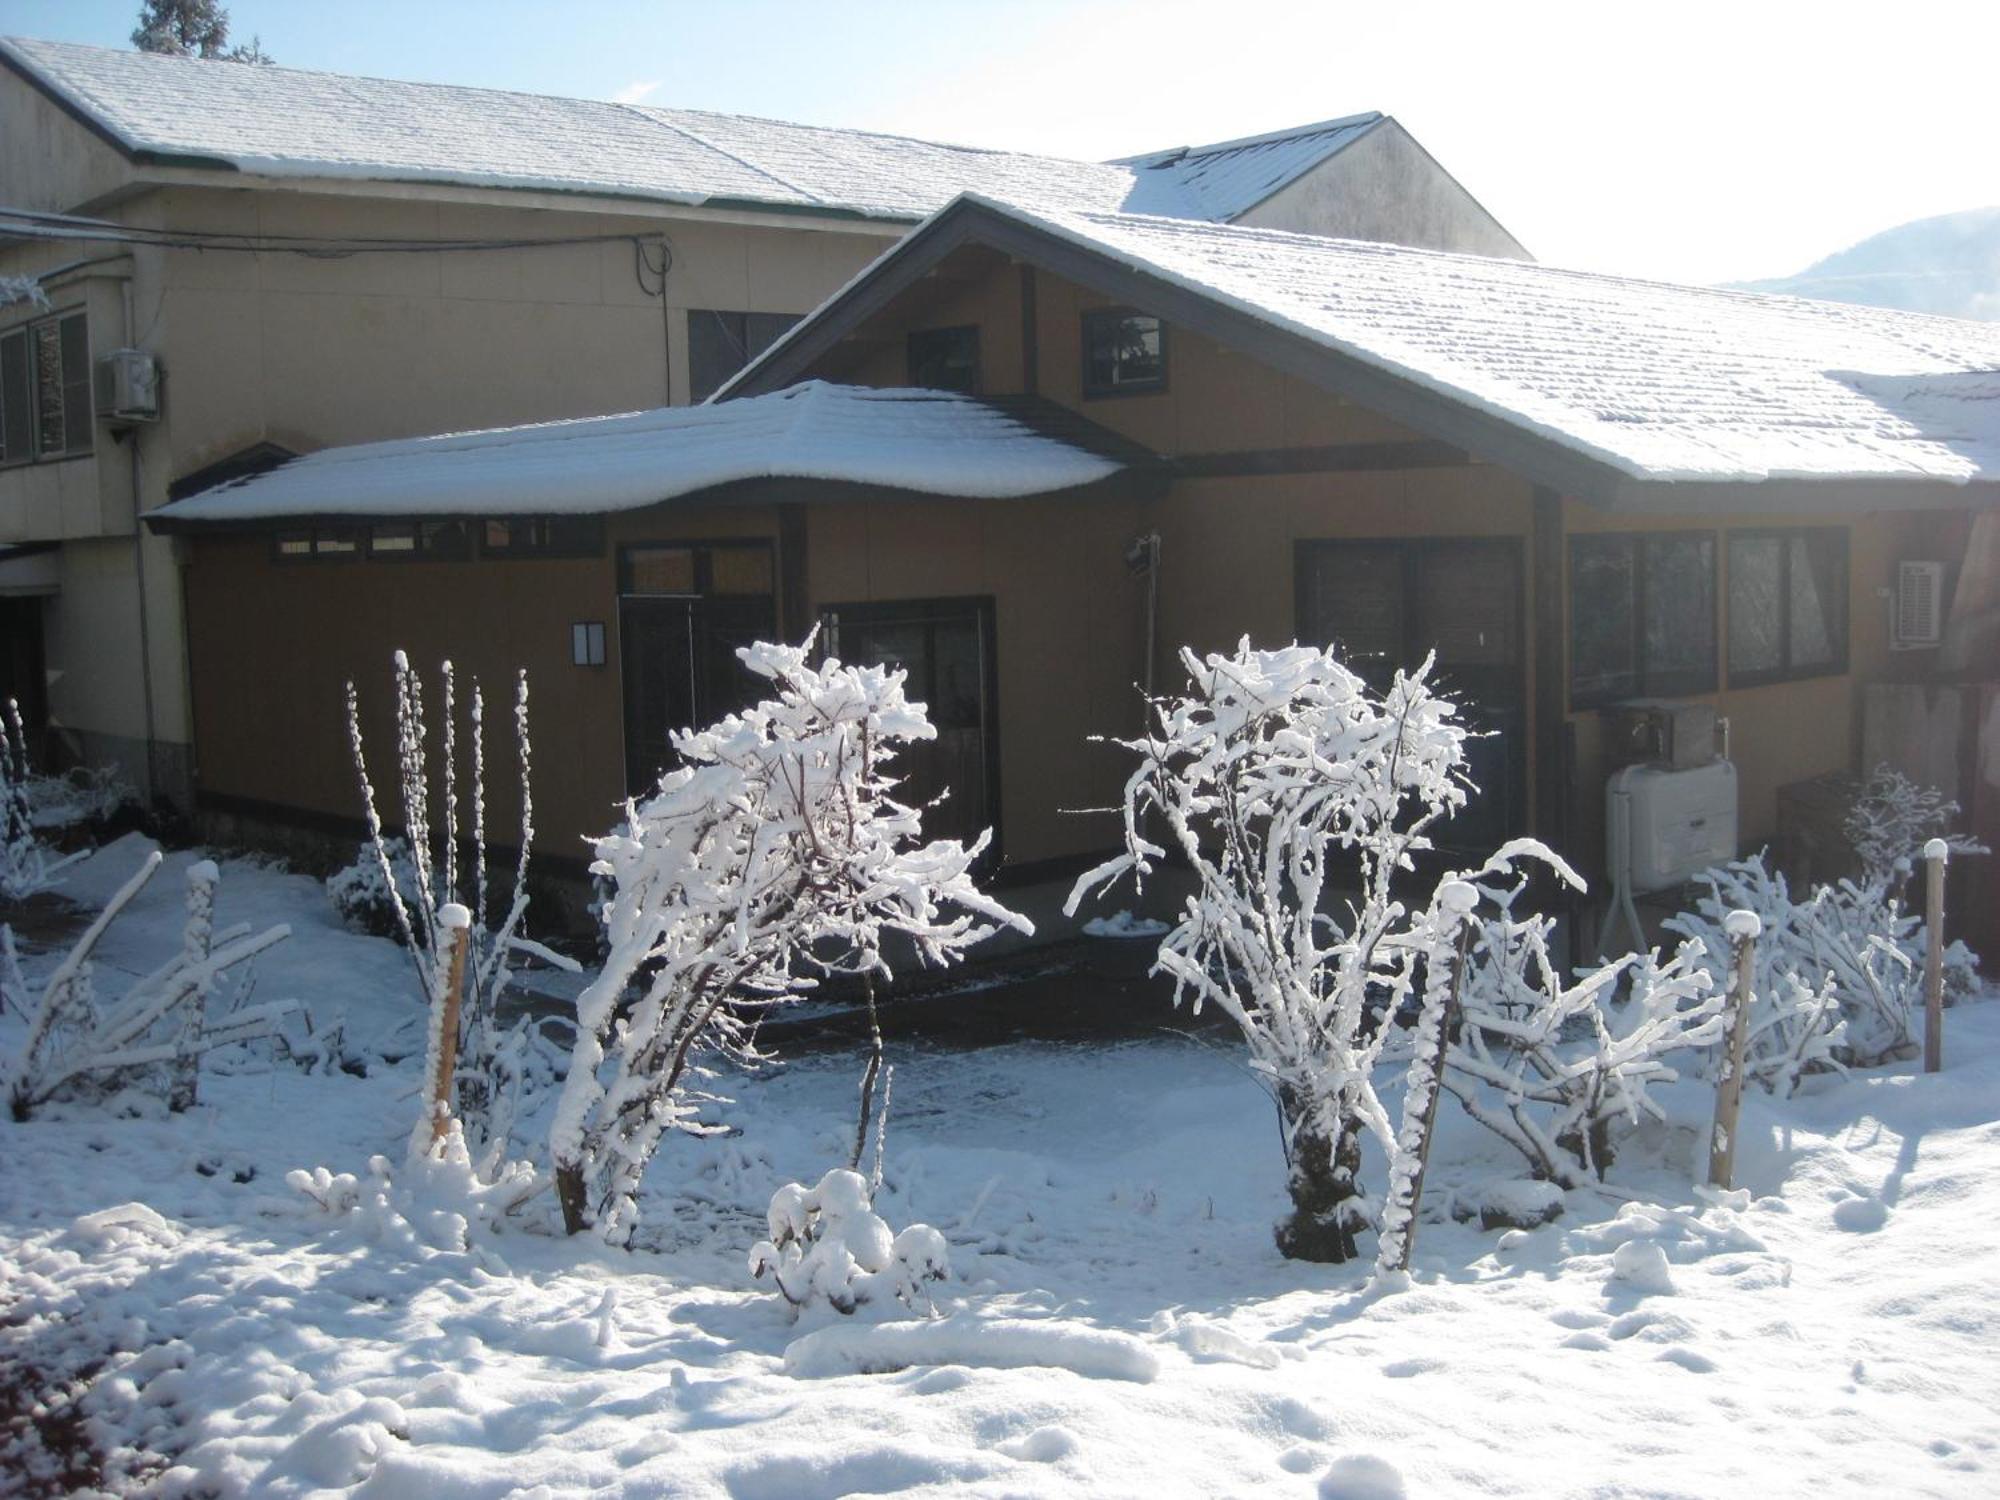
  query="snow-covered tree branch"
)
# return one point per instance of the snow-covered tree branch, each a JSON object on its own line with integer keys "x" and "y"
{"x": 775, "y": 854}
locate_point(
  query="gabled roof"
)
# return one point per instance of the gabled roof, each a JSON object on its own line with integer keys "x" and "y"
{"x": 1585, "y": 382}
{"x": 290, "y": 123}
{"x": 927, "y": 442}
{"x": 1224, "y": 181}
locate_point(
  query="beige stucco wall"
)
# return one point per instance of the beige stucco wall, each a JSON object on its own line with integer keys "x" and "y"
{"x": 1386, "y": 187}
{"x": 48, "y": 161}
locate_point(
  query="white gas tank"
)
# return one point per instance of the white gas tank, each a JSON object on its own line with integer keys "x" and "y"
{"x": 1679, "y": 822}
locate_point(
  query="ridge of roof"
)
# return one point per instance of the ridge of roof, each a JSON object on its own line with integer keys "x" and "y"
{"x": 1267, "y": 138}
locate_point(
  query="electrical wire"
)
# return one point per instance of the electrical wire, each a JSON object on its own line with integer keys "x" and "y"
{"x": 31, "y": 224}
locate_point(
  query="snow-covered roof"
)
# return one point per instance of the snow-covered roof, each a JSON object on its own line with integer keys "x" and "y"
{"x": 1223, "y": 181}
{"x": 1650, "y": 380}
{"x": 931, "y": 442}
{"x": 291, "y": 123}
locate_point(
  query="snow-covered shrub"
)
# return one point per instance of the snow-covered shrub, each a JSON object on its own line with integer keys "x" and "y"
{"x": 367, "y": 901}
{"x": 158, "y": 1029}
{"x": 1280, "y": 778}
{"x": 775, "y": 853}
{"x": 1891, "y": 820}
{"x": 438, "y": 1199}
{"x": 22, "y": 289}
{"x": 416, "y": 878}
{"x": 1555, "y": 1069}
{"x": 830, "y": 1249}
{"x": 1839, "y": 975}
{"x": 26, "y": 866}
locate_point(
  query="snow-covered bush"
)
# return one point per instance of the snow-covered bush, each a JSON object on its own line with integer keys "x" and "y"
{"x": 1891, "y": 820}
{"x": 777, "y": 852}
{"x": 26, "y": 866}
{"x": 1280, "y": 778}
{"x": 438, "y": 1199}
{"x": 22, "y": 289}
{"x": 1555, "y": 1069}
{"x": 159, "y": 1028}
{"x": 440, "y": 863}
{"x": 829, "y": 1249}
{"x": 1839, "y": 975}
{"x": 367, "y": 901}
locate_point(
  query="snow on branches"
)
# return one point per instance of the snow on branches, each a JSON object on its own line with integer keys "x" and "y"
{"x": 1280, "y": 778}
{"x": 1890, "y": 821}
{"x": 159, "y": 1028}
{"x": 25, "y": 866}
{"x": 776, "y": 853}
{"x": 1839, "y": 979}
{"x": 829, "y": 1249}
{"x": 421, "y": 877}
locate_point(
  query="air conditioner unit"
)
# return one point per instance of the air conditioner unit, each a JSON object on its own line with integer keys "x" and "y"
{"x": 127, "y": 386}
{"x": 1919, "y": 618}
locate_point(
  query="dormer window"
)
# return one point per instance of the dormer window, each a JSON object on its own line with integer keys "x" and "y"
{"x": 1124, "y": 353}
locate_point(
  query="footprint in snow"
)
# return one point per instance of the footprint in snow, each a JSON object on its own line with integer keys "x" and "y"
{"x": 1577, "y": 1317}
{"x": 1045, "y": 1445}
{"x": 1860, "y": 1215}
{"x": 1403, "y": 1369}
{"x": 1361, "y": 1476}
{"x": 1300, "y": 1458}
{"x": 1586, "y": 1340}
{"x": 1687, "y": 1359}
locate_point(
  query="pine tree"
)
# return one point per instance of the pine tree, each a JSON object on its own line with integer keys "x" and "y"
{"x": 192, "y": 28}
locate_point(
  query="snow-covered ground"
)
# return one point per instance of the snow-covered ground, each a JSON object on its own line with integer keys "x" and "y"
{"x": 1118, "y": 1321}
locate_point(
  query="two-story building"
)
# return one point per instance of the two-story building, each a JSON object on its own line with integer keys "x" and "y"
{"x": 293, "y": 260}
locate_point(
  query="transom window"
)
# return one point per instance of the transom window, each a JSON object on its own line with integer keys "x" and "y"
{"x": 1124, "y": 353}
{"x": 945, "y": 359}
{"x": 543, "y": 536}
{"x": 301, "y": 542}
{"x": 1787, "y": 604}
{"x": 1641, "y": 615}
{"x": 45, "y": 407}
{"x": 438, "y": 540}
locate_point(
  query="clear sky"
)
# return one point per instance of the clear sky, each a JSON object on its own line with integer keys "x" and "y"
{"x": 1695, "y": 141}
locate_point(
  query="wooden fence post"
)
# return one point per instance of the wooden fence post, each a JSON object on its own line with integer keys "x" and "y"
{"x": 1744, "y": 929}
{"x": 456, "y": 922}
{"x": 1936, "y": 852}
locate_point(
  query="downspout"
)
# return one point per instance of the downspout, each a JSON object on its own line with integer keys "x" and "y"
{"x": 139, "y": 574}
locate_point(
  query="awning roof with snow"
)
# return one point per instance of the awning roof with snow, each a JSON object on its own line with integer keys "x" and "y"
{"x": 926, "y": 442}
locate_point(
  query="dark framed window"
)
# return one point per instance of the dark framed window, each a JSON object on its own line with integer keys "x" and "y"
{"x": 1787, "y": 604}
{"x": 947, "y": 648}
{"x": 1387, "y": 604}
{"x": 1124, "y": 352}
{"x": 542, "y": 536}
{"x": 945, "y": 359}
{"x": 432, "y": 541}
{"x": 1641, "y": 615}
{"x": 45, "y": 410}
{"x": 684, "y": 609}
{"x": 721, "y": 343}
{"x": 319, "y": 543}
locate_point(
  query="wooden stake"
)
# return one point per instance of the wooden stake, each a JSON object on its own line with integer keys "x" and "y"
{"x": 1743, "y": 928}
{"x": 447, "y": 1049}
{"x": 1935, "y": 854}
{"x": 1460, "y": 906}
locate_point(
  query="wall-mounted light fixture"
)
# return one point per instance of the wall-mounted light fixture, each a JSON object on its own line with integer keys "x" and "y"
{"x": 586, "y": 643}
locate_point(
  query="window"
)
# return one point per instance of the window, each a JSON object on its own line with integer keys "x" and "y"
{"x": 543, "y": 536}
{"x": 302, "y": 542}
{"x": 721, "y": 343}
{"x": 45, "y": 390}
{"x": 1641, "y": 616}
{"x": 1787, "y": 604}
{"x": 945, "y": 359}
{"x": 433, "y": 540}
{"x": 1124, "y": 353}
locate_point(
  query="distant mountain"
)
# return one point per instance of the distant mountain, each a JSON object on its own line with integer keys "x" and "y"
{"x": 1948, "y": 265}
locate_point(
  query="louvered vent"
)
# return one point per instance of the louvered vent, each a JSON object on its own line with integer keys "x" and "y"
{"x": 1919, "y": 605}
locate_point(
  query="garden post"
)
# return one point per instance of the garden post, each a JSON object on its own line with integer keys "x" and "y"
{"x": 1935, "y": 854}
{"x": 1457, "y": 900}
{"x": 1743, "y": 928}
{"x": 457, "y": 924}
